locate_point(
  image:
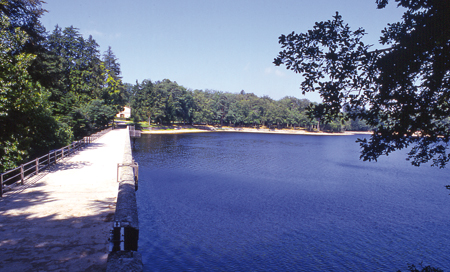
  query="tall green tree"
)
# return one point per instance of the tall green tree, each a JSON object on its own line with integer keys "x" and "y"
{"x": 143, "y": 101}
{"x": 26, "y": 124}
{"x": 221, "y": 105}
{"x": 76, "y": 76}
{"x": 113, "y": 90}
{"x": 111, "y": 63}
{"x": 25, "y": 14}
{"x": 202, "y": 108}
{"x": 403, "y": 89}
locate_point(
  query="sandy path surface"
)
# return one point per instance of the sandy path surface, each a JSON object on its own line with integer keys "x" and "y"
{"x": 60, "y": 220}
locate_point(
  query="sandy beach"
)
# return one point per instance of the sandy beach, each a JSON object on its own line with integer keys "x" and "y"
{"x": 182, "y": 130}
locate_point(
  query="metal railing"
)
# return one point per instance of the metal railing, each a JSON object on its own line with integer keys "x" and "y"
{"x": 135, "y": 167}
{"x": 134, "y": 133}
{"x": 32, "y": 168}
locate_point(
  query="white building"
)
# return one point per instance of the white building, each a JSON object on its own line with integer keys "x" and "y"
{"x": 126, "y": 113}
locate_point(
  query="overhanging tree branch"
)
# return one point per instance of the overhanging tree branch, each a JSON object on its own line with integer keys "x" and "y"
{"x": 398, "y": 90}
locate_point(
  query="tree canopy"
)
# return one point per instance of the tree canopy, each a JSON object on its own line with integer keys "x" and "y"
{"x": 401, "y": 90}
{"x": 54, "y": 88}
{"x": 24, "y": 114}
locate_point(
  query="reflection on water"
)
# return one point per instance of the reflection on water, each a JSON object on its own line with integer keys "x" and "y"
{"x": 258, "y": 202}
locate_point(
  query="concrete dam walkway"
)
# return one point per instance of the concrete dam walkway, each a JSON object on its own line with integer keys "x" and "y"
{"x": 60, "y": 219}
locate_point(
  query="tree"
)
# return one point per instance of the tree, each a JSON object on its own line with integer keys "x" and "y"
{"x": 26, "y": 125}
{"x": 99, "y": 114}
{"x": 413, "y": 268}
{"x": 264, "y": 106}
{"x": 202, "y": 107}
{"x": 220, "y": 106}
{"x": 403, "y": 89}
{"x": 111, "y": 63}
{"x": 75, "y": 74}
{"x": 25, "y": 14}
{"x": 113, "y": 91}
{"x": 143, "y": 100}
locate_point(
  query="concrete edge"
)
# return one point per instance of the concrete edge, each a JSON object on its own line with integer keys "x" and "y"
{"x": 123, "y": 254}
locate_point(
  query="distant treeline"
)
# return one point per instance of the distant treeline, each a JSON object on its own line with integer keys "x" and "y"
{"x": 166, "y": 102}
{"x": 54, "y": 88}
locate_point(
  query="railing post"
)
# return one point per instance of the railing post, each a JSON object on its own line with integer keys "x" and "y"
{"x": 1, "y": 185}
{"x": 37, "y": 166}
{"x": 48, "y": 161}
{"x": 21, "y": 173}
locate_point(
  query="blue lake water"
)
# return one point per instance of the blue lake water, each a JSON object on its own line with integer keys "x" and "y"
{"x": 265, "y": 202}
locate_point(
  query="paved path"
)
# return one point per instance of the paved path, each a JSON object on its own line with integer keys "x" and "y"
{"x": 61, "y": 220}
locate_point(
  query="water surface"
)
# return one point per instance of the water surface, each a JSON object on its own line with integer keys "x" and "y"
{"x": 264, "y": 202}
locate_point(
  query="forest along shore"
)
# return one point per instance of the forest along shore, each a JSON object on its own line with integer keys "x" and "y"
{"x": 190, "y": 129}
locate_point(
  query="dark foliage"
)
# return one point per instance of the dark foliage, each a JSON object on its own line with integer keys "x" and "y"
{"x": 413, "y": 268}
{"x": 53, "y": 88}
{"x": 402, "y": 90}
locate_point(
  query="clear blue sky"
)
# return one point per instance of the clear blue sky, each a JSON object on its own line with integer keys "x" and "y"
{"x": 221, "y": 45}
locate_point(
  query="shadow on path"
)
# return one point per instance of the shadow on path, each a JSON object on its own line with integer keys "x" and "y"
{"x": 44, "y": 228}
{"x": 49, "y": 241}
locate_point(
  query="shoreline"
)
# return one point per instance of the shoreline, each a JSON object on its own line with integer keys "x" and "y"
{"x": 253, "y": 130}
